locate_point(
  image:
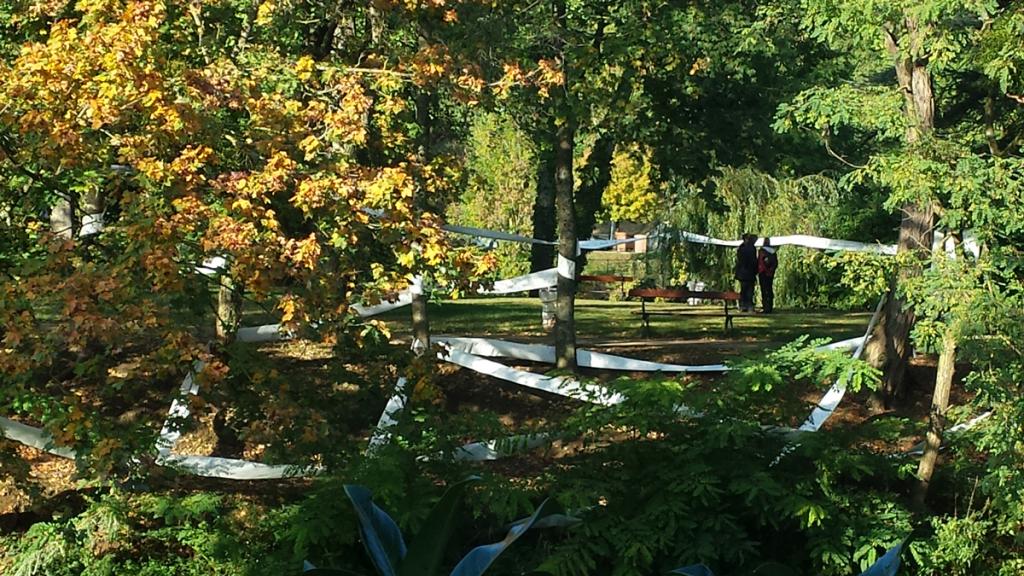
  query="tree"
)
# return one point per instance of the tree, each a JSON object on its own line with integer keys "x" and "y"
{"x": 943, "y": 145}
{"x": 238, "y": 145}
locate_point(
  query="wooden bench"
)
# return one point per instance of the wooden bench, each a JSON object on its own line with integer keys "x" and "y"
{"x": 646, "y": 294}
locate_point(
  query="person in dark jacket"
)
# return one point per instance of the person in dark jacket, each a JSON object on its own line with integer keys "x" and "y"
{"x": 767, "y": 263}
{"x": 746, "y": 271}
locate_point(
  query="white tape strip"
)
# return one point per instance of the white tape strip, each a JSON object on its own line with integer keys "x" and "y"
{"x": 555, "y": 385}
{"x": 231, "y": 468}
{"x": 527, "y": 282}
{"x": 507, "y": 236}
{"x": 265, "y": 333}
{"x": 211, "y": 466}
{"x": 495, "y": 449}
{"x": 179, "y": 409}
{"x": 404, "y": 299}
{"x": 34, "y": 437}
{"x": 815, "y": 242}
{"x": 91, "y": 224}
{"x": 566, "y": 267}
{"x": 585, "y": 358}
{"x": 834, "y": 395}
{"x": 918, "y": 448}
{"x": 211, "y": 266}
{"x": 599, "y": 244}
{"x": 389, "y": 417}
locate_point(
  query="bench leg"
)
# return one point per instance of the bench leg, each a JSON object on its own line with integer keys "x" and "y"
{"x": 645, "y": 318}
{"x": 728, "y": 317}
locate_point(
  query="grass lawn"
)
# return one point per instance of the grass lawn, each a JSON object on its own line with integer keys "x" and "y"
{"x": 600, "y": 320}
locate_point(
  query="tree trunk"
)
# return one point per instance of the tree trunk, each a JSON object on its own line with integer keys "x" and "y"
{"x": 543, "y": 255}
{"x": 565, "y": 317}
{"x": 420, "y": 324}
{"x": 229, "y": 308}
{"x": 890, "y": 347}
{"x": 937, "y": 417}
{"x": 565, "y": 321}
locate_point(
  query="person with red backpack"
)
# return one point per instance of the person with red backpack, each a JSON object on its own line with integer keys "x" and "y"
{"x": 767, "y": 263}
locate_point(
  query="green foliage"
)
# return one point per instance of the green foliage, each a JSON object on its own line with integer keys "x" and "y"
{"x": 631, "y": 194}
{"x": 499, "y": 195}
{"x": 748, "y": 201}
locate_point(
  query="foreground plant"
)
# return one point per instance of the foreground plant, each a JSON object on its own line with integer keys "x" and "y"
{"x": 389, "y": 553}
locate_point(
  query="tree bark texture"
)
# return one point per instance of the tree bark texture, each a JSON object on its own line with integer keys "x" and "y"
{"x": 936, "y": 417}
{"x": 420, "y": 324}
{"x": 565, "y": 317}
{"x": 229, "y": 308}
{"x": 565, "y": 320}
{"x": 890, "y": 347}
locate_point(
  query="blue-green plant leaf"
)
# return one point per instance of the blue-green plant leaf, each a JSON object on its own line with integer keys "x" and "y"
{"x": 381, "y": 536}
{"x": 888, "y": 564}
{"x": 693, "y": 570}
{"x": 555, "y": 516}
{"x": 480, "y": 558}
{"x": 427, "y": 549}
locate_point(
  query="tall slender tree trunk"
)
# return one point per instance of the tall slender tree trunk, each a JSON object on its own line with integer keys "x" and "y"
{"x": 890, "y": 347}
{"x": 420, "y": 322}
{"x": 936, "y": 417}
{"x": 565, "y": 306}
{"x": 565, "y": 321}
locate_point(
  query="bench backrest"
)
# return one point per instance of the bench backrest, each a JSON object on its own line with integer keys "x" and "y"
{"x": 610, "y": 279}
{"x": 672, "y": 294}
